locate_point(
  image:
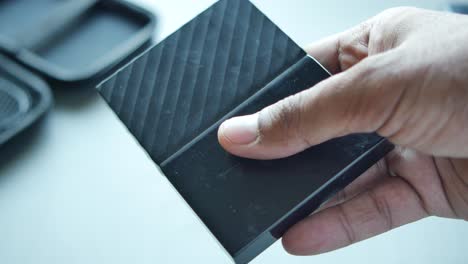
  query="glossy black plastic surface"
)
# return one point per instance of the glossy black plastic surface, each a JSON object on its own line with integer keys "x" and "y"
{"x": 23, "y": 99}
{"x": 232, "y": 60}
{"x": 73, "y": 43}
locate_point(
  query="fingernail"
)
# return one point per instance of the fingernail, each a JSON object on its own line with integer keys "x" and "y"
{"x": 240, "y": 130}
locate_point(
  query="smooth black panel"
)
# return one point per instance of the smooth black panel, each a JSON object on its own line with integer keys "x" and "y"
{"x": 240, "y": 199}
{"x": 232, "y": 60}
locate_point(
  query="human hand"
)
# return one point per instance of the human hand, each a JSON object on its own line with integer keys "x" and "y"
{"x": 402, "y": 74}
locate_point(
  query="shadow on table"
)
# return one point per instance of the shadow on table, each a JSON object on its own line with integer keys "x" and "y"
{"x": 74, "y": 99}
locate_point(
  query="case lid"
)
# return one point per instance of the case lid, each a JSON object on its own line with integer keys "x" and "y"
{"x": 72, "y": 43}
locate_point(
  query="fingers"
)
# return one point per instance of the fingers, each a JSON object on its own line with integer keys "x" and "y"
{"x": 422, "y": 172}
{"x": 352, "y": 101}
{"x": 341, "y": 51}
{"x": 326, "y": 52}
{"x": 389, "y": 205}
{"x": 366, "y": 181}
{"x": 357, "y": 100}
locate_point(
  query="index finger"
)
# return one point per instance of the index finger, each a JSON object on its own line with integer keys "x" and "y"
{"x": 343, "y": 50}
{"x": 326, "y": 52}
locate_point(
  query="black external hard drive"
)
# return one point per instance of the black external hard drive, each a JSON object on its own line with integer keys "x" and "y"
{"x": 232, "y": 60}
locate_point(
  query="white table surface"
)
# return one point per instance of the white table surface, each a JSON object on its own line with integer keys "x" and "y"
{"x": 79, "y": 189}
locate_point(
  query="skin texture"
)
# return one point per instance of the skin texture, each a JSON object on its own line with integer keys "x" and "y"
{"x": 402, "y": 74}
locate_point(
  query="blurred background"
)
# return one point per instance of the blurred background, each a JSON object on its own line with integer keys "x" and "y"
{"x": 77, "y": 188}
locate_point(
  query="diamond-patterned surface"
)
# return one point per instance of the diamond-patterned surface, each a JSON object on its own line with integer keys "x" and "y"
{"x": 197, "y": 75}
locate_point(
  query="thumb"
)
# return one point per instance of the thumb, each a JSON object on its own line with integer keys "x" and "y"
{"x": 360, "y": 99}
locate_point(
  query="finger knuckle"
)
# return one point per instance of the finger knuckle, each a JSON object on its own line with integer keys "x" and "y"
{"x": 346, "y": 225}
{"x": 280, "y": 120}
{"x": 390, "y": 27}
{"x": 358, "y": 112}
{"x": 382, "y": 209}
{"x": 368, "y": 103}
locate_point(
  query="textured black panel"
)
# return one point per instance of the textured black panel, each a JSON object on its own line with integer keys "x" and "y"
{"x": 198, "y": 74}
{"x": 231, "y": 60}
